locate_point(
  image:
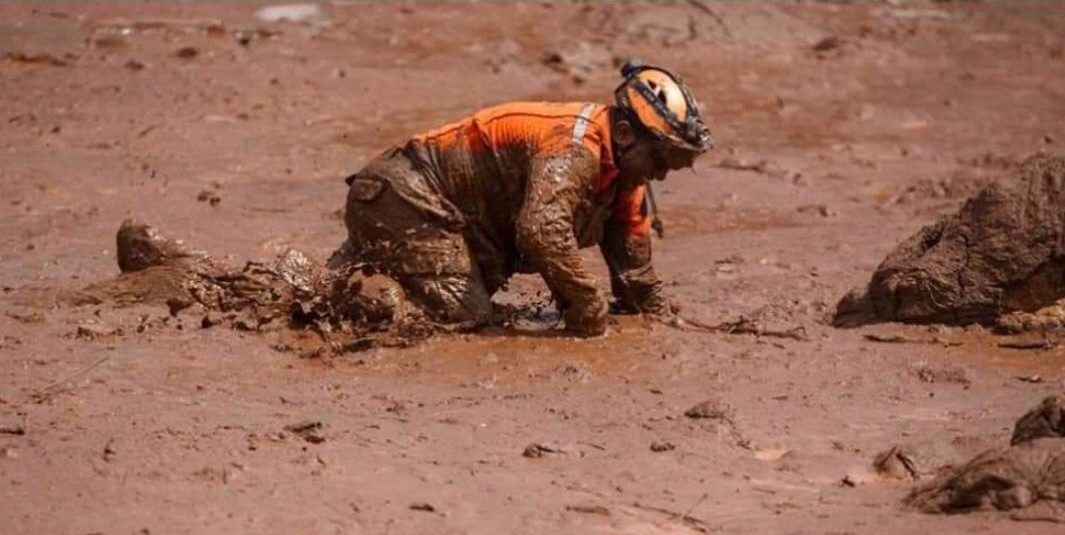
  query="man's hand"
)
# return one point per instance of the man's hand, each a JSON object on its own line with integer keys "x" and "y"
{"x": 587, "y": 320}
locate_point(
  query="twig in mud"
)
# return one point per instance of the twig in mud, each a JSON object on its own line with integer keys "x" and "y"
{"x": 695, "y": 523}
{"x": 701, "y": 6}
{"x": 696, "y": 504}
{"x": 900, "y": 339}
{"x": 740, "y": 326}
{"x": 1041, "y": 345}
{"x": 43, "y": 394}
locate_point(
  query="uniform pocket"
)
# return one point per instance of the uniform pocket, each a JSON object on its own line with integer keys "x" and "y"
{"x": 366, "y": 189}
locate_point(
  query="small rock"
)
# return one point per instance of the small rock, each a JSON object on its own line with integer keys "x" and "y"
{"x": 210, "y": 319}
{"x": 537, "y": 450}
{"x": 92, "y": 331}
{"x": 309, "y": 430}
{"x": 659, "y": 447}
{"x": 831, "y": 42}
{"x": 109, "y": 451}
{"x": 710, "y": 409}
{"x": 187, "y": 52}
{"x": 210, "y": 197}
{"x": 1045, "y": 420}
{"x": 817, "y": 209}
{"x": 177, "y": 304}
{"x": 422, "y": 506}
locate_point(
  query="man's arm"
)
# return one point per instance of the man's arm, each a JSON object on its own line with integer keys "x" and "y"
{"x": 626, "y": 247}
{"x": 546, "y": 241}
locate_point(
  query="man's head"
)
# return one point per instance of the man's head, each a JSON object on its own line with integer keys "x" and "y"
{"x": 657, "y": 126}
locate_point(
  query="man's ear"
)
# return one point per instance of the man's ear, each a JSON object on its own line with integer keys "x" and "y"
{"x": 624, "y": 134}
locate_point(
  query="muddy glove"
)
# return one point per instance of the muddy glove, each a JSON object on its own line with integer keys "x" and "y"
{"x": 546, "y": 240}
{"x": 633, "y": 281}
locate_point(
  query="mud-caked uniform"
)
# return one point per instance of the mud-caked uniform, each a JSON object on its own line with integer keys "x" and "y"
{"x": 516, "y": 188}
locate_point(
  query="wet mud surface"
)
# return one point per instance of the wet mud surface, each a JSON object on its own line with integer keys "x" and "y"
{"x": 841, "y": 131}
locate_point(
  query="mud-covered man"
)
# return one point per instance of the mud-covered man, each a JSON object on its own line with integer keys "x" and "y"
{"x": 520, "y": 188}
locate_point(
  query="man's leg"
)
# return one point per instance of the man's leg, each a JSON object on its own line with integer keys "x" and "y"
{"x": 433, "y": 264}
{"x": 439, "y": 274}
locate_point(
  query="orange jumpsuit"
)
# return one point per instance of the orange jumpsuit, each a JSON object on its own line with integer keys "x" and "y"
{"x": 519, "y": 187}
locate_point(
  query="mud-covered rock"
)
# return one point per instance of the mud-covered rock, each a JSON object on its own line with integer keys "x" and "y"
{"x": 141, "y": 246}
{"x": 1003, "y": 479}
{"x": 1028, "y": 475}
{"x": 1045, "y": 320}
{"x": 1003, "y": 251}
{"x": 1046, "y": 420}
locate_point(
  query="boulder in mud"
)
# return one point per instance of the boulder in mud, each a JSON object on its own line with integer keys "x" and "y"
{"x": 1003, "y": 251}
{"x": 1046, "y": 420}
{"x": 1028, "y": 477}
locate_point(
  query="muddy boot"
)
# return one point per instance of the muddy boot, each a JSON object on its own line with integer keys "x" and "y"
{"x": 141, "y": 246}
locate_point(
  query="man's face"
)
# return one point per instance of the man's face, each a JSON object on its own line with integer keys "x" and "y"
{"x": 651, "y": 159}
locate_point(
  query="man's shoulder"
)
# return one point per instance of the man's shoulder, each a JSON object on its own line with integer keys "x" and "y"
{"x": 534, "y": 109}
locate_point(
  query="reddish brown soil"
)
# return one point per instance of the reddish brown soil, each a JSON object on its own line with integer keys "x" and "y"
{"x": 152, "y": 111}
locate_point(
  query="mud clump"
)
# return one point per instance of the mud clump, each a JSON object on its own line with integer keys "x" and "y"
{"x": 141, "y": 246}
{"x": 349, "y": 306}
{"x": 1046, "y": 420}
{"x": 1027, "y": 477}
{"x": 1002, "y": 252}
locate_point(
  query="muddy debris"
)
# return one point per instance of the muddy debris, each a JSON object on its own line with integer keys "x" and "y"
{"x": 897, "y": 462}
{"x": 1046, "y": 344}
{"x": 1002, "y": 252}
{"x": 350, "y": 307}
{"x": 16, "y": 430}
{"x": 1045, "y": 320}
{"x": 581, "y": 61}
{"x": 309, "y": 430}
{"x": 141, "y": 246}
{"x": 932, "y": 374}
{"x": 589, "y": 509}
{"x": 93, "y": 331}
{"x": 209, "y": 197}
{"x": 187, "y": 52}
{"x": 1045, "y": 420}
{"x": 422, "y": 506}
{"x": 538, "y": 450}
{"x": 662, "y": 446}
{"x": 710, "y": 409}
{"x": 1028, "y": 477}
{"x": 24, "y": 58}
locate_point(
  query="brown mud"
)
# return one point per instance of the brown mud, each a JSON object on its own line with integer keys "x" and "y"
{"x": 841, "y": 130}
